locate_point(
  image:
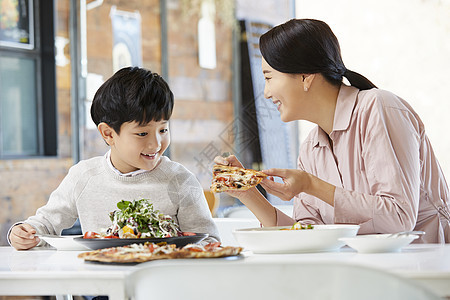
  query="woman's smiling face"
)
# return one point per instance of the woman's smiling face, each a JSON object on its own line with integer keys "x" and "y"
{"x": 285, "y": 90}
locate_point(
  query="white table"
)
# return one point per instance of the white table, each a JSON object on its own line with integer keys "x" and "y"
{"x": 51, "y": 272}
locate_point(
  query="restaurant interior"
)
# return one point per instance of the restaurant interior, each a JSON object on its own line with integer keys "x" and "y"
{"x": 55, "y": 54}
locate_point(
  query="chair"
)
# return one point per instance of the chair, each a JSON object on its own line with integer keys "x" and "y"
{"x": 213, "y": 201}
{"x": 243, "y": 212}
{"x": 193, "y": 279}
{"x": 226, "y": 226}
{"x": 74, "y": 230}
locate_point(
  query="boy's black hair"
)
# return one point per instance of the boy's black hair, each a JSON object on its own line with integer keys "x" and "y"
{"x": 132, "y": 94}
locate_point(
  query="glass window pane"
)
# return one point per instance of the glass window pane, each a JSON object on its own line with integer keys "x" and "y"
{"x": 18, "y": 111}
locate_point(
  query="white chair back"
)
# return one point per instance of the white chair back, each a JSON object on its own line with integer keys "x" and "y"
{"x": 226, "y": 226}
{"x": 225, "y": 279}
{"x": 243, "y": 212}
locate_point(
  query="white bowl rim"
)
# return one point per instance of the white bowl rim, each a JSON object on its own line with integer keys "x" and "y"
{"x": 63, "y": 242}
{"x": 259, "y": 230}
{"x": 383, "y": 236}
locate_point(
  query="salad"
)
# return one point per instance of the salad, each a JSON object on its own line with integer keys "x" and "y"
{"x": 299, "y": 226}
{"x": 138, "y": 219}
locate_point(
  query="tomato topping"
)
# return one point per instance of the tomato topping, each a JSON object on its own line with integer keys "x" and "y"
{"x": 195, "y": 249}
{"x": 151, "y": 247}
{"x": 187, "y": 233}
{"x": 90, "y": 235}
{"x": 212, "y": 246}
{"x": 111, "y": 236}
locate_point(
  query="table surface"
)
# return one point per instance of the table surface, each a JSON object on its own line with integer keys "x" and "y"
{"x": 51, "y": 272}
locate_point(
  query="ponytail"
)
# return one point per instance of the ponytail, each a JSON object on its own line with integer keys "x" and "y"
{"x": 308, "y": 46}
{"x": 358, "y": 81}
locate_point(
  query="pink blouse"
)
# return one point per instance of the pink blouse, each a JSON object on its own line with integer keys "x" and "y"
{"x": 381, "y": 161}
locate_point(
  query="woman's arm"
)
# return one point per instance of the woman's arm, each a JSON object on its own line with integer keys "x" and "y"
{"x": 252, "y": 198}
{"x": 259, "y": 206}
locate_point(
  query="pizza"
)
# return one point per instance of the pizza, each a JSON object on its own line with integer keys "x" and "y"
{"x": 227, "y": 178}
{"x": 137, "y": 253}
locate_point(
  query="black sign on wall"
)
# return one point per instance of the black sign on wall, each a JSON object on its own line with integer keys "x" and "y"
{"x": 269, "y": 141}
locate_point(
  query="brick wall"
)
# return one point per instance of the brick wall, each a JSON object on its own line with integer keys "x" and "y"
{"x": 203, "y": 106}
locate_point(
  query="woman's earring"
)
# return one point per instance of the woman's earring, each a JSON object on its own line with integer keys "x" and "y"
{"x": 305, "y": 89}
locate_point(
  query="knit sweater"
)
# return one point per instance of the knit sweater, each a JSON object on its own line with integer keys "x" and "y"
{"x": 92, "y": 189}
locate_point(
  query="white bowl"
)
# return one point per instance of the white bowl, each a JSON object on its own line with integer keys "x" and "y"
{"x": 376, "y": 243}
{"x": 274, "y": 240}
{"x": 63, "y": 242}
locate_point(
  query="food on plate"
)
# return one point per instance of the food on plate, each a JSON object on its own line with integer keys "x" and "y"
{"x": 136, "y": 253}
{"x": 299, "y": 226}
{"x": 138, "y": 219}
{"x": 227, "y": 178}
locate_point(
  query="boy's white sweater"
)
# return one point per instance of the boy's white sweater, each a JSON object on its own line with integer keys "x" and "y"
{"x": 91, "y": 190}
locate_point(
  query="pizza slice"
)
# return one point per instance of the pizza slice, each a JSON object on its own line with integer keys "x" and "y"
{"x": 226, "y": 178}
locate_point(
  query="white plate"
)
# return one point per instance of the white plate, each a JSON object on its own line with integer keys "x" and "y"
{"x": 376, "y": 243}
{"x": 275, "y": 240}
{"x": 63, "y": 242}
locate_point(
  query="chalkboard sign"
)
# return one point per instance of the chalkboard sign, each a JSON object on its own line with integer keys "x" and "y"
{"x": 277, "y": 140}
{"x": 127, "y": 43}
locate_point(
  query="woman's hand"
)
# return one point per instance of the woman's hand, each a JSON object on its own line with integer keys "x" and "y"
{"x": 294, "y": 182}
{"x": 251, "y": 198}
{"x": 23, "y": 237}
{"x": 228, "y": 161}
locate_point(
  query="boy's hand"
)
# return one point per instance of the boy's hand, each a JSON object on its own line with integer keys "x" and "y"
{"x": 23, "y": 237}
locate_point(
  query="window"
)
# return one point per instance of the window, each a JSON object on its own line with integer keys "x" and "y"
{"x": 27, "y": 80}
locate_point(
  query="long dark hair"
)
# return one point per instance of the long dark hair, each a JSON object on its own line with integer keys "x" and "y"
{"x": 308, "y": 46}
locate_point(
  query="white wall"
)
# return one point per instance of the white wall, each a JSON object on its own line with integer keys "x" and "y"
{"x": 402, "y": 46}
{"x": 270, "y": 11}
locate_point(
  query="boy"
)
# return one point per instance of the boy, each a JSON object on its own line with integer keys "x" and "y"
{"x": 132, "y": 111}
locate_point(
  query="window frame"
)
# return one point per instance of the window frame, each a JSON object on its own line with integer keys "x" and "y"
{"x": 43, "y": 54}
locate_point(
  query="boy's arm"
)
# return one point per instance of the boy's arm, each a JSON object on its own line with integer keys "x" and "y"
{"x": 60, "y": 211}
{"x": 193, "y": 214}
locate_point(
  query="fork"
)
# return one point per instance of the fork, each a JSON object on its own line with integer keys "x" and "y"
{"x": 401, "y": 233}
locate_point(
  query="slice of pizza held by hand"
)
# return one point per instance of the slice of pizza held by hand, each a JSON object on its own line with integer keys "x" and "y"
{"x": 226, "y": 178}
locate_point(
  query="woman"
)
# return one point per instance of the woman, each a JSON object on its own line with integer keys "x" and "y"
{"x": 368, "y": 161}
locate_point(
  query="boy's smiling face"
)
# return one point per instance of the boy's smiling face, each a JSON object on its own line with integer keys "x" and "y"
{"x": 137, "y": 146}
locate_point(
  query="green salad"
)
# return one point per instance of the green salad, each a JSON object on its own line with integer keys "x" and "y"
{"x": 138, "y": 219}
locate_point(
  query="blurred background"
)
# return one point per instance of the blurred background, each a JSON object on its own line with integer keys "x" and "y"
{"x": 55, "y": 54}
